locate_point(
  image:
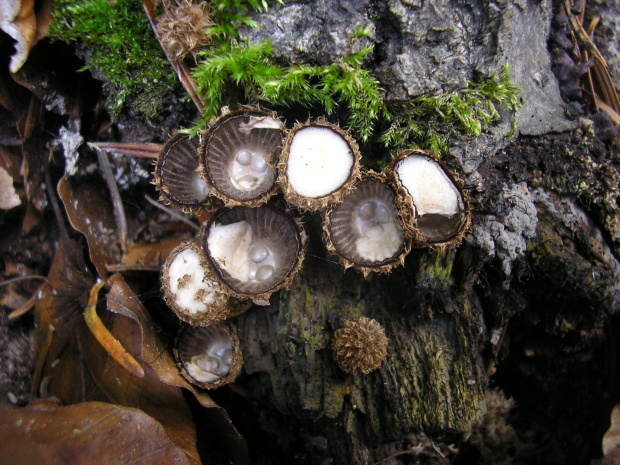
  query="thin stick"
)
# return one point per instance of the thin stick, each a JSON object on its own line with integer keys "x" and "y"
{"x": 172, "y": 213}
{"x": 117, "y": 203}
{"x": 31, "y": 302}
{"x": 107, "y": 340}
{"x": 22, "y": 278}
{"x": 149, "y": 151}
{"x": 183, "y": 72}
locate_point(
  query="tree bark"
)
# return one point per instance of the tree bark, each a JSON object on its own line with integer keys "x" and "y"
{"x": 525, "y": 307}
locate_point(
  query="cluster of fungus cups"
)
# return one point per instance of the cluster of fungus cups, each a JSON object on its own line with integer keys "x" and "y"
{"x": 252, "y": 246}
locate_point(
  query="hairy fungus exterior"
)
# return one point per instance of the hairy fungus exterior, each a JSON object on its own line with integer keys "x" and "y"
{"x": 239, "y": 156}
{"x": 436, "y": 207}
{"x": 190, "y": 289}
{"x": 254, "y": 251}
{"x": 183, "y": 29}
{"x": 366, "y": 229}
{"x": 360, "y": 346}
{"x": 208, "y": 356}
{"x": 177, "y": 177}
{"x": 319, "y": 165}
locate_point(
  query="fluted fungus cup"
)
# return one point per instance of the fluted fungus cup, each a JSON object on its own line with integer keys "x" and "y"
{"x": 366, "y": 229}
{"x": 254, "y": 251}
{"x": 433, "y": 195}
{"x": 177, "y": 176}
{"x": 319, "y": 164}
{"x": 239, "y": 156}
{"x": 208, "y": 356}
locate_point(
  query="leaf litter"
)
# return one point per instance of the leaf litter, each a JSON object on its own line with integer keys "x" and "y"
{"x": 91, "y": 262}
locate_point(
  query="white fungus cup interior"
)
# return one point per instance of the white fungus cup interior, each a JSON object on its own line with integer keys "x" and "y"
{"x": 240, "y": 154}
{"x": 320, "y": 161}
{"x": 177, "y": 169}
{"x": 253, "y": 250}
{"x": 188, "y": 288}
{"x": 206, "y": 353}
{"x": 365, "y": 227}
{"x": 438, "y": 202}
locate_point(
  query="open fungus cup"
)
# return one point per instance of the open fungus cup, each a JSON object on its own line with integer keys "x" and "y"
{"x": 191, "y": 290}
{"x": 239, "y": 155}
{"x": 366, "y": 229}
{"x": 254, "y": 251}
{"x": 433, "y": 198}
{"x": 177, "y": 175}
{"x": 208, "y": 356}
{"x": 318, "y": 166}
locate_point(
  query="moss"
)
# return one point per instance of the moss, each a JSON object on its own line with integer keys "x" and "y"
{"x": 429, "y": 121}
{"x": 119, "y": 45}
{"x": 426, "y": 121}
{"x": 117, "y": 42}
{"x": 250, "y": 69}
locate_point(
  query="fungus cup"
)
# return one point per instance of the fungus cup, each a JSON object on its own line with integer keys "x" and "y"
{"x": 190, "y": 289}
{"x": 360, "y": 346}
{"x": 433, "y": 198}
{"x": 254, "y": 251}
{"x": 208, "y": 356}
{"x": 366, "y": 230}
{"x": 239, "y": 155}
{"x": 177, "y": 177}
{"x": 319, "y": 164}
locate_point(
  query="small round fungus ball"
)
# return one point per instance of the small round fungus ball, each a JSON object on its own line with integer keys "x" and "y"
{"x": 319, "y": 163}
{"x": 360, "y": 346}
{"x": 184, "y": 29}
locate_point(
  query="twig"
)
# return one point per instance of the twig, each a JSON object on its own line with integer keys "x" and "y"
{"x": 150, "y": 151}
{"x": 600, "y": 72}
{"x": 172, "y": 213}
{"x": 117, "y": 203}
{"x": 183, "y": 72}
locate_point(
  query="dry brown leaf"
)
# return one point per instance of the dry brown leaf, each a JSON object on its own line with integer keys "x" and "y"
{"x": 611, "y": 440}
{"x": 76, "y": 368}
{"x": 156, "y": 355}
{"x": 8, "y": 196}
{"x": 92, "y": 432}
{"x": 149, "y": 256}
{"x": 18, "y": 19}
{"x": 11, "y": 160}
{"x": 88, "y": 207}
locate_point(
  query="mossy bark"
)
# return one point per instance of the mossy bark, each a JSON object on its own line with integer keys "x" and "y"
{"x": 432, "y": 379}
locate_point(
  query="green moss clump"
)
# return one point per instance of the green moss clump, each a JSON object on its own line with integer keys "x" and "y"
{"x": 118, "y": 44}
{"x": 429, "y": 121}
{"x": 250, "y": 69}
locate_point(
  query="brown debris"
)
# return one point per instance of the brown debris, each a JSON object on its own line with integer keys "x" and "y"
{"x": 360, "y": 346}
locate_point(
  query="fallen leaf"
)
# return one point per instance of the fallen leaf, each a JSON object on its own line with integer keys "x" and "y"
{"x": 86, "y": 433}
{"x": 149, "y": 256}
{"x": 18, "y": 19}
{"x": 611, "y": 440}
{"x": 89, "y": 210}
{"x": 8, "y": 196}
